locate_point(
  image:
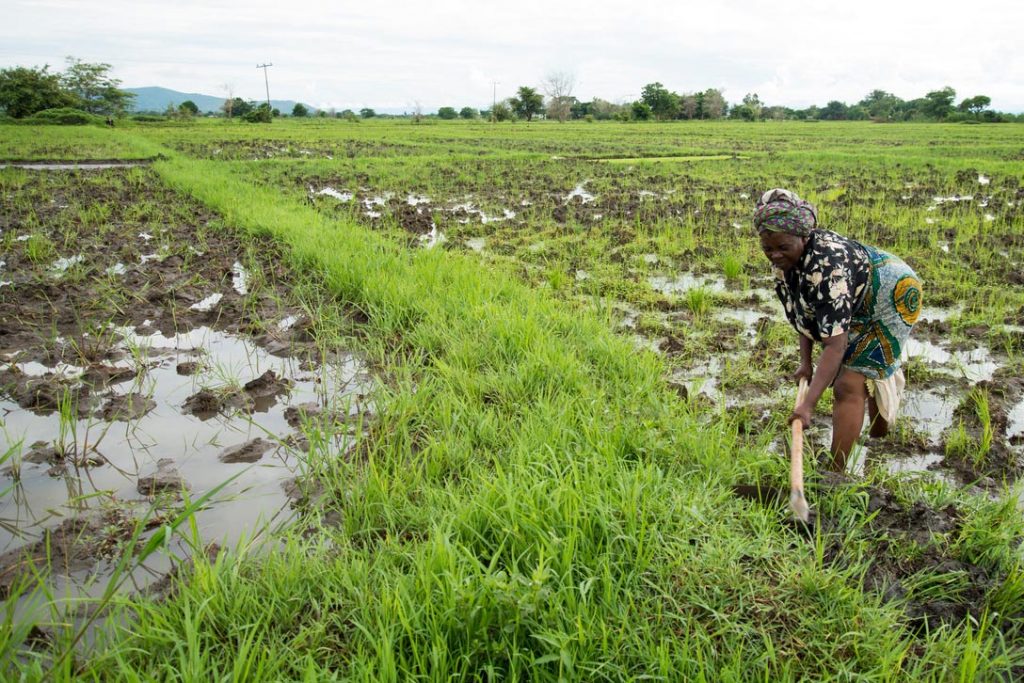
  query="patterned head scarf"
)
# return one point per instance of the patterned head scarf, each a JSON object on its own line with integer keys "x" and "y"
{"x": 780, "y": 210}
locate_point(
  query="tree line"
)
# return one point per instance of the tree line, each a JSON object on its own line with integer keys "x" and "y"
{"x": 26, "y": 91}
{"x": 658, "y": 103}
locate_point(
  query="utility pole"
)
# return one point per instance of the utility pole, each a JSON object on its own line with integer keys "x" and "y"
{"x": 265, "y": 80}
{"x": 494, "y": 100}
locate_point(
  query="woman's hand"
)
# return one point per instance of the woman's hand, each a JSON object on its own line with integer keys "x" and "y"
{"x": 803, "y": 413}
{"x": 805, "y": 371}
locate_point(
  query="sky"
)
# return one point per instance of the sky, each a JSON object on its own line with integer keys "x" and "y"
{"x": 392, "y": 55}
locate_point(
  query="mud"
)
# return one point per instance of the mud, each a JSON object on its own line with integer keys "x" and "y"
{"x": 117, "y": 389}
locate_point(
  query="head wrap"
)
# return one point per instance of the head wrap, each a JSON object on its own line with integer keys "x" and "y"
{"x": 780, "y": 210}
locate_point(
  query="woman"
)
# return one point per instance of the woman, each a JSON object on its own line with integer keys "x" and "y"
{"x": 859, "y": 302}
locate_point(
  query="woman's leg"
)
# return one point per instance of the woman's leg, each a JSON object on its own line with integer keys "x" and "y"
{"x": 878, "y": 424}
{"x": 849, "y": 395}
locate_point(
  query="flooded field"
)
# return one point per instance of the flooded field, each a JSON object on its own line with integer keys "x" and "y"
{"x": 492, "y": 391}
{"x": 136, "y": 377}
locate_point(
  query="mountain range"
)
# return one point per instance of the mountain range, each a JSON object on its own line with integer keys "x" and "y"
{"x": 156, "y": 99}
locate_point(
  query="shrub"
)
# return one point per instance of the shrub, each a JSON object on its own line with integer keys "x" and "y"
{"x": 63, "y": 116}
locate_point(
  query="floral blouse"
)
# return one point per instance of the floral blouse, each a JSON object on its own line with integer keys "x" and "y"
{"x": 824, "y": 290}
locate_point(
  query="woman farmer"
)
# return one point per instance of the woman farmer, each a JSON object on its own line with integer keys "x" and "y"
{"x": 858, "y": 302}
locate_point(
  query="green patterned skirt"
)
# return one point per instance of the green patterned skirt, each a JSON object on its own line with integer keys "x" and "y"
{"x": 882, "y": 323}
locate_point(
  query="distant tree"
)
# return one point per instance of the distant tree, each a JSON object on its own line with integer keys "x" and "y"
{"x": 260, "y": 114}
{"x": 300, "y": 111}
{"x": 754, "y": 105}
{"x": 417, "y": 112}
{"x": 188, "y": 108}
{"x": 690, "y": 105}
{"x": 447, "y": 113}
{"x": 502, "y": 112}
{"x": 558, "y": 86}
{"x": 975, "y": 105}
{"x": 641, "y": 111}
{"x": 229, "y": 99}
{"x": 527, "y": 103}
{"x": 236, "y": 106}
{"x": 712, "y": 104}
{"x": 367, "y": 113}
{"x": 468, "y": 113}
{"x": 24, "y": 91}
{"x": 743, "y": 112}
{"x": 881, "y": 105}
{"x": 603, "y": 110}
{"x": 94, "y": 90}
{"x": 663, "y": 103}
{"x": 939, "y": 103}
{"x": 834, "y": 111}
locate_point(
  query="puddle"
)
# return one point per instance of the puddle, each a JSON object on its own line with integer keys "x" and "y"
{"x": 954, "y": 198}
{"x": 578, "y": 191}
{"x": 239, "y": 278}
{"x": 686, "y": 281}
{"x": 983, "y": 180}
{"x": 976, "y": 365}
{"x": 340, "y": 196}
{"x": 930, "y": 411}
{"x": 61, "y": 265}
{"x": 745, "y": 316}
{"x": 932, "y": 314}
{"x": 156, "y": 444}
{"x": 417, "y": 199}
{"x": 702, "y": 378}
{"x": 75, "y": 166}
{"x": 1015, "y": 421}
{"x": 699, "y": 157}
{"x": 207, "y": 304}
{"x": 433, "y": 238}
{"x": 476, "y": 243}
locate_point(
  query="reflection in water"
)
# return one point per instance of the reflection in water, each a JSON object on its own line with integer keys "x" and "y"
{"x": 52, "y": 488}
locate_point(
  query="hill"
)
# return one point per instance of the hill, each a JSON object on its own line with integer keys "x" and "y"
{"x": 154, "y": 98}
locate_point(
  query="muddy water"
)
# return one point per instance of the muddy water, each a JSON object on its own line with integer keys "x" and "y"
{"x": 686, "y": 281}
{"x": 150, "y": 430}
{"x": 75, "y": 166}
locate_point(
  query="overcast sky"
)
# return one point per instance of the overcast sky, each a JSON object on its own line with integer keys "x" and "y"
{"x": 387, "y": 54}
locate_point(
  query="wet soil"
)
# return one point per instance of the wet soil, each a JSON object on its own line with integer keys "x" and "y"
{"x": 123, "y": 380}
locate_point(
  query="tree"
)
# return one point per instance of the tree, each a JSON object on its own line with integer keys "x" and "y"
{"x": 299, "y": 111}
{"x": 188, "y": 108}
{"x": 447, "y": 113}
{"x": 641, "y": 111}
{"x": 502, "y": 111}
{"x": 527, "y": 103}
{"x": 367, "y": 113}
{"x": 712, "y": 104}
{"x": 938, "y": 104}
{"x": 238, "y": 107}
{"x": 754, "y": 105}
{"x": 24, "y": 91}
{"x": 468, "y": 113}
{"x": 662, "y": 103}
{"x": 881, "y": 105}
{"x": 834, "y": 111}
{"x": 260, "y": 114}
{"x": 975, "y": 105}
{"x": 94, "y": 90}
{"x": 690, "y": 105}
{"x": 558, "y": 86}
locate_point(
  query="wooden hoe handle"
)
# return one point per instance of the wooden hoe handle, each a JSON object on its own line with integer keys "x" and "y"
{"x": 797, "y": 501}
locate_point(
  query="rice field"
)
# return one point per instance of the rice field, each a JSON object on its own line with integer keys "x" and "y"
{"x": 375, "y": 400}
